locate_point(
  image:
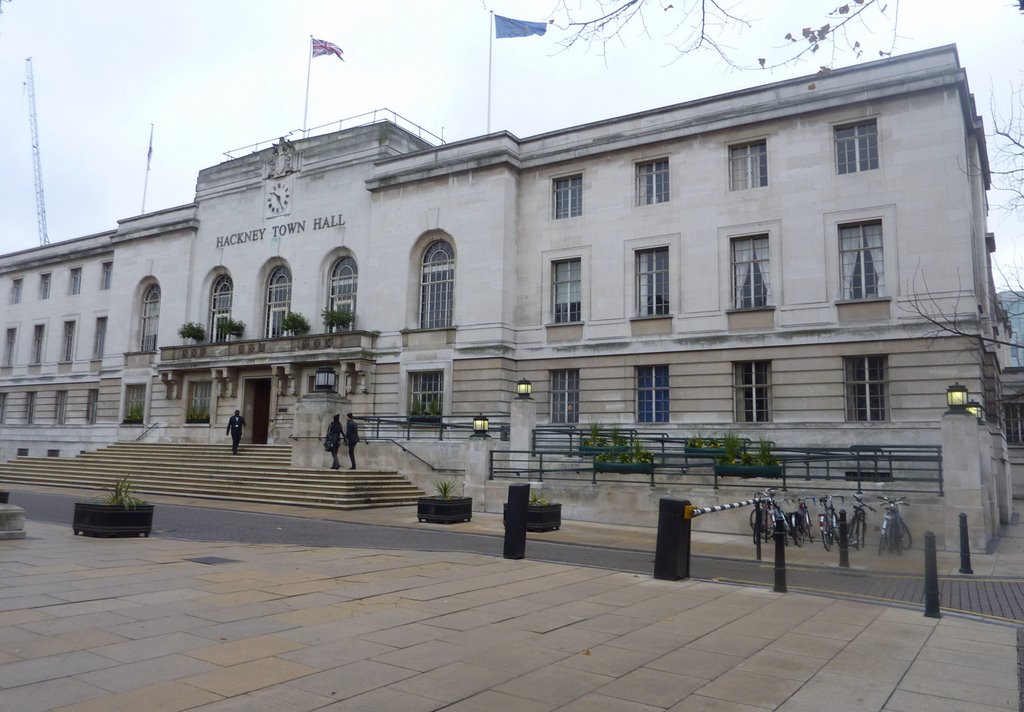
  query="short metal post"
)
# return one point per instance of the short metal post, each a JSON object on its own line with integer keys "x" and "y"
{"x": 515, "y": 521}
{"x": 844, "y": 540}
{"x": 672, "y": 549}
{"x": 965, "y": 546}
{"x": 931, "y": 578}
{"x": 780, "y": 558}
{"x": 758, "y": 522}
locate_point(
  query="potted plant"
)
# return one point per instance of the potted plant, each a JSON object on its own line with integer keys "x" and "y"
{"x": 197, "y": 414}
{"x": 226, "y": 326}
{"x": 701, "y": 444}
{"x": 444, "y": 507}
{"x": 428, "y": 412}
{"x": 737, "y": 461}
{"x": 595, "y": 442}
{"x": 625, "y": 458}
{"x": 120, "y": 513}
{"x": 133, "y": 415}
{"x": 192, "y": 331}
{"x": 295, "y": 324}
{"x": 541, "y": 514}
{"x": 336, "y": 319}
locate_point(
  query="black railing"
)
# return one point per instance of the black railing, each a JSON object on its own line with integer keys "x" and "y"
{"x": 425, "y": 427}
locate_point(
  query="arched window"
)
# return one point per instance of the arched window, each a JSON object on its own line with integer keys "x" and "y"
{"x": 343, "y": 288}
{"x": 220, "y": 305}
{"x": 437, "y": 283}
{"x": 150, "y": 318}
{"x": 279, "y": 300}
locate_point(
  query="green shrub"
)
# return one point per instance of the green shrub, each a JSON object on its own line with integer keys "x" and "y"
{"x": 192, "y": 330}
{"x": 295, "y": 324}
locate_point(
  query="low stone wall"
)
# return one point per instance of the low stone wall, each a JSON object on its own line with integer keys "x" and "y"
{"x": 12, "y": 522}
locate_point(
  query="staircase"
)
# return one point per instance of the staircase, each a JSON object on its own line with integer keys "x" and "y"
{"x": 259, "y": 473}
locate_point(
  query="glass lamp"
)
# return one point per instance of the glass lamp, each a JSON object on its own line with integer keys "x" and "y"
{"x": 956, "y": 398}
{"x": 326, "y": 380}
{"x": 523, "y": 389}
{"x": 480, "y": 426}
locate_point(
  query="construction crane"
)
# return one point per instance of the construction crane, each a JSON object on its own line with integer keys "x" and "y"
{"x": 40, "y": 200}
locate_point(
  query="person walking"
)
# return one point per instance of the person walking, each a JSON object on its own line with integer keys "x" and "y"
{"x": 351, "y": 438}
{"x": 235, "y": 424}
{"x": 332, "y": 441}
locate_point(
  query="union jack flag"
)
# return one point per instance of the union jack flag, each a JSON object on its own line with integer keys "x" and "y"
{"x": 322, "y": 47}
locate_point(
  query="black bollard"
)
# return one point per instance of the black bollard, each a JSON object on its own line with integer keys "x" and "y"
{"x": 758, "y": 522}
{"x": 844, "y": 540}
{"x": 965, "y": 546}
{"x": 780, "y": 557}
{"x": 672, "y": 552}
{"x": 515, "y": 521}
{"x": 931, "y": 578}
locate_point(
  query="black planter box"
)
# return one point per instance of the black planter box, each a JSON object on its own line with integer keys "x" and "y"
{"x": 541, "y": 517}
{"x": 4, "y": 497}
{"x": 108, "y": 520}
{"x": 444, "y": 511}
{"x": 748, "y": 470}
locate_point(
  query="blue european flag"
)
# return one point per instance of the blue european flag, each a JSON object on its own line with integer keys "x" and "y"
{"x": 507, "y": 27}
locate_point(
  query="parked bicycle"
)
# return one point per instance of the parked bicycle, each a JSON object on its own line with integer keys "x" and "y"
{"x": 894, "y": 534}
{"x": 858, "y": 530}
{"x": 800, "y": 521}
{"x": 828, "y": 521}
{"x": 772, "y": 514}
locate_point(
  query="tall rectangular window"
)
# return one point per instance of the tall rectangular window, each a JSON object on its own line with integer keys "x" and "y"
{"x": 17, "y": 286}
{"x": 60, "y": 409}
{"x": 748, "y": 166}
{"x": 134, "y": 402}
{"x": 3, "y": 408}
{"x": 199, "y": 403}
{"x": 426, "y": 393}
{"x": 30, "y": 408}
{"x": 565, "y": 396}
{"x": 652, "y": 282}
{"x": 67, "y": 350}
{"x": 860, "y": 254}
{"x": 106, "y": 274}
{"x": 38, "y": 337}
{"x": 44, "y": 286}
{"x": 566, "y": 288}
{"x": 9, "y": 343}
{"x": 92, "y": 403}
{"x": 857, "y": 147}
{"x": 652, "y": 394}
{"x": 866, "y": 385}
{"x": 752, "y": 390}
{"x": 750, "y": 273}
{"x": 652, "y": 182}
{"x": 75, "y": 281}
{"x": 567, "y": 196}
{"x": 100, "y": 340}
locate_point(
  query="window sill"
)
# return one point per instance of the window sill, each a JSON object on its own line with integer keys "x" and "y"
{"x": 865, "y": 300}
{"x": 750, "y": 310}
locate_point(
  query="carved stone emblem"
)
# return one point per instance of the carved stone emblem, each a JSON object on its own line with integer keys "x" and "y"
{"x": 283, "y": 160}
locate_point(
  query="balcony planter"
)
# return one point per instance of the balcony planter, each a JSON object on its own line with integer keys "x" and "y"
{"x": 748, "y": 470}
{"x": 705, "y": 451}
{"x": 592, "y": 450}
{"x": 540, "y": 517}
{"x": 425, "y": 419}
{"x": 120, "y": 514}
{"x": 645, "y": 468}
{"x": 437, "y": 510}
{"x": 132, "y": 421}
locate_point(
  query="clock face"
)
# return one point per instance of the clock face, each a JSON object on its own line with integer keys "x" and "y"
{"x": 279, "y": 198}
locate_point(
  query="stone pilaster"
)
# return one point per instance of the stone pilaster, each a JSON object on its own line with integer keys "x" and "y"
{"x": 964, "y": 482}
{"x": 476, "y": 456}
{"x": 313, "y": 415}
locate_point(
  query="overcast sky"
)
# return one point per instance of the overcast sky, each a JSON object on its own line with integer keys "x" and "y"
{"x": 216, "y": 75}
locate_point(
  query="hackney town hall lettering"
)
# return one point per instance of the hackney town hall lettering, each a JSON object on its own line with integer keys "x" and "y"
{"x": 294, "y": 227}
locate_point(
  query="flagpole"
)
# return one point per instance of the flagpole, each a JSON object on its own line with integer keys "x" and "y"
{"x": 309, "y": 64}
{"x": 149, "y": 157}
{"x": 490, "y": 60}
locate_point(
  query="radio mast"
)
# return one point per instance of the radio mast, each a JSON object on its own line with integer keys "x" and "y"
{"x": 40, "y": 200}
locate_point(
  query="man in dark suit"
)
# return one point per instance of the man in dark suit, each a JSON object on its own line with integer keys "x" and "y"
{"x": 235, "y": 424}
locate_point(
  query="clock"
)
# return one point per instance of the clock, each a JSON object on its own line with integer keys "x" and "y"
{"x": 279, "y": 198}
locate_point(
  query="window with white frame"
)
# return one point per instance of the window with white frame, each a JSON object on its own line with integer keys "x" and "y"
{"x": 67, "y": 348}
{"x": 199, "y": 402}
{"x": 44, "y": 285}
{"x": 134, "y": 402}
{"x": 279, "y": 301}
{"x": 565, "y": 395}
{"x": 221, "y": 295}
{"x": 437, "y": 286}
{"x": 342, "y": 296}
{"x": 426, "y": 393}
{"x": 38, "y": 339}
{"x": 1014, "y": 416}
{"x": 567, "y": 197}
{"x": 652, "y": 394}
{"x": 17, "y": 287}
{"x": 60, "y": 408}
{"x": 75, "y": 281}
{"x": 100, "y": 340}
{"x": 652, "y": 182}
{"x": 752, "y": 391}
{"x": 566, "y": 290}
{"x": 866, "y": 386}
{"x": 150, "y": 318}
{"x": 750, "y": 272}
{"x": 92, "y": 402}
{"x": 9, "y": 344}
{"x": 857, "y": 147}
{"x": 106, "y": 275}
{"x": 748, "y": 166}
{"x": 861, "y": 259}
{"x": 30, "y": 408}
{"x": 652, "y": 282}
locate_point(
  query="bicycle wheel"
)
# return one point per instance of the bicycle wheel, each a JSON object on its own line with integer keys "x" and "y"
{"x": 905, "y": 540}
{"x": 766, "y": 525}
{"x": 827, "y": 537}
{"x": 855, "y": 537}
{"x": 884, "y": 537}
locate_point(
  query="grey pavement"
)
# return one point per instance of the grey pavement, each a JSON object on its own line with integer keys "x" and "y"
{"x": 289, "y": 610}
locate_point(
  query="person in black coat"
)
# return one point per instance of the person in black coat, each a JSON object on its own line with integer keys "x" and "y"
{"x": 235, "y": 424}
{"x": 351, "y": 438}
{"x": 333, "y": 441}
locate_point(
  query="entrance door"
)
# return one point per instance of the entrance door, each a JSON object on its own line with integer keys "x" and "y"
{"x": 258, "y": 394}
